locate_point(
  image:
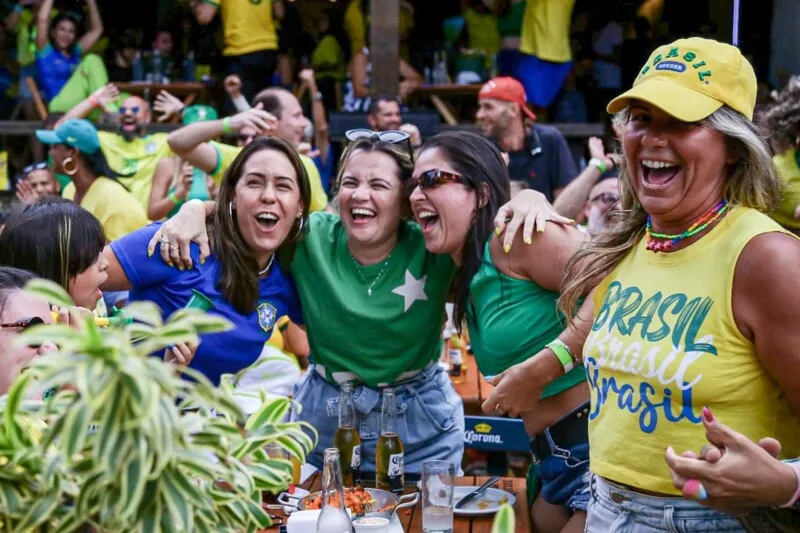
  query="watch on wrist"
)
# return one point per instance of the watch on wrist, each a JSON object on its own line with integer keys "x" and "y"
{"x": 317, "y": 97}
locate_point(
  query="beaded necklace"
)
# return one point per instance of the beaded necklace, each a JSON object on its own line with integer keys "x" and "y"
{"x": 668, "y": 242}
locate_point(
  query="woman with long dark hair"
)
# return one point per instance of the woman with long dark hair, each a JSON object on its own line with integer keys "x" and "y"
{"x": 260, "y": 215}
{"x": 366, "y": 281}
{"x": 59, "y": 241}
{"x": 75, "y": 151}
{"x": 508, "y": 299}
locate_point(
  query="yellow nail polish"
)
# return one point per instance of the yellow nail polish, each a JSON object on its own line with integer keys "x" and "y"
{"x": 149, "y": 253}
{"x": 180, "y": 267}
{"x": 507, "y": 248}
{"x": 540, "y": 230}
{"x": 203, "y": 261}
{"x": 169, "y": 264}
{"x": 528, "y": 240}
{"x": 497, "y": 231}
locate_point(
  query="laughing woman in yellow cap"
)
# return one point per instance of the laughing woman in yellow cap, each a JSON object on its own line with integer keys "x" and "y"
{"x": 692, "y": 295}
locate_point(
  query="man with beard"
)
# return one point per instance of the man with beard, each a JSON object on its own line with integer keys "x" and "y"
{"x": 132, "y": 151}
{"x": 538, "y": 155}
{"x": 275, "y": 112}
{"x": 384, "y": 114}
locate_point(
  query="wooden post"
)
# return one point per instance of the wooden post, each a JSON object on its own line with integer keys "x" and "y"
{"x": 384, "y": 46}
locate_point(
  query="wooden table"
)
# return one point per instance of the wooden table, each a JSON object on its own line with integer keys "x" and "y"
{"x": 411, "y": 519}
{"x": 188, "y": 90}
{"x": 474, "y": 390}
{"x": 442, "y": 96}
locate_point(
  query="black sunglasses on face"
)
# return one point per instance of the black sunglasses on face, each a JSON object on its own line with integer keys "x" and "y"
{"x": 435, "y": 177}
{"x": 35, "y": 166}
{"x": 23, "y": 326}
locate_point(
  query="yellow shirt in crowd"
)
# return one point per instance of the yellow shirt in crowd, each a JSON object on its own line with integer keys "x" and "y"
{"x": 112, "y": 205}
{"x": 136, "y": 159}
{"x": 664, "y": 344}
{"x": 354, "y": 27}
{"x": 248, "y": 26}
{"x": 227, "y": 153}
{"x": 788, "y": 164}
{"x": 482, "y": 31}
{"x": 545, "y": 30}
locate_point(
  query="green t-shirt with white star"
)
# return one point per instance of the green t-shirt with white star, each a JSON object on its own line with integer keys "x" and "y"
{"x": 383, "y": 336}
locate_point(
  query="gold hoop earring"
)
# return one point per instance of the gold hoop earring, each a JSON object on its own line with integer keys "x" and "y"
{"x": 69, "y": 171}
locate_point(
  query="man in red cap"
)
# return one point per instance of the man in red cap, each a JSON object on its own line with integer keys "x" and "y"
{"x": 538, "y": 155}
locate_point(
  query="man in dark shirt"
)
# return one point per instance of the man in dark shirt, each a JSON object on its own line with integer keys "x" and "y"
{"x": 538, "y": 155}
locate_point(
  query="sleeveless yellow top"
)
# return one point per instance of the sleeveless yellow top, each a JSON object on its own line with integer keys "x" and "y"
{"x": 663, "y": 345}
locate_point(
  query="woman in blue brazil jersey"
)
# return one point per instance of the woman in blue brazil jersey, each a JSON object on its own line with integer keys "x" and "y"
{"x": 261, "y": 210}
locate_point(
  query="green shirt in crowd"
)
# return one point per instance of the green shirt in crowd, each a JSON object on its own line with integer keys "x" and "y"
{"x": 379, "y": 337}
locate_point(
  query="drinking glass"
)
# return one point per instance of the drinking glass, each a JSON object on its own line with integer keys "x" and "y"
{"x": 438, "y": 481}
{"x": 277, "y": 451}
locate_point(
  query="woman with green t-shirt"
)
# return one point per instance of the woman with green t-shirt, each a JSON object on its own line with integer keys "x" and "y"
{"x": 374, "y": 305}
{"x": 508, "y": 299}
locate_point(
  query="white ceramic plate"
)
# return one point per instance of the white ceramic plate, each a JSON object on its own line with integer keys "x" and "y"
{"x": 299, "y": 493}
{"x": 488, "y": 502}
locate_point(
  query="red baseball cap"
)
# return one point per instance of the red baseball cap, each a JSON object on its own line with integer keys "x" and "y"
{"x": 507, "y": 89}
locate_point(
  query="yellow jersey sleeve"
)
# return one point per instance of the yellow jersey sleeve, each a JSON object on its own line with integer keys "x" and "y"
{"x": 319, "y": 200}
{"x": 354, "y": 26}
{"x": 225, "y": 156}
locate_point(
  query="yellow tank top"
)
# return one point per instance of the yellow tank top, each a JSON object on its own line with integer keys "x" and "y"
{"x": 663, "y": 345}
{"x": 545, "y": 30}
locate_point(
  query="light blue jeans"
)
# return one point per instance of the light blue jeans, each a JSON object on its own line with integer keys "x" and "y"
{"x": 614, "y": 509}
{"x": 430, "y": 418}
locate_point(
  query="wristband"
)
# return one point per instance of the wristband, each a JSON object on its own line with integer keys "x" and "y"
{"x": 93, "y": 101}
{"x": 226, "y": 126}
{"x": 601, "y": 166}
{"x": 793, "y": 500}
{"x": 172, "y": 198}
{"x": 563, "y": 353}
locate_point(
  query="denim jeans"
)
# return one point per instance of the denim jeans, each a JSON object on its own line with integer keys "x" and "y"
{"x": 614, "y": 509}
{"x": 430, "y": 418}
{"x": 565, "y": 482}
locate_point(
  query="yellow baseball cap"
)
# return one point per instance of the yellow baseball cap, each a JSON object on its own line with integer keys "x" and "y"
{"x": 691, "y": 78}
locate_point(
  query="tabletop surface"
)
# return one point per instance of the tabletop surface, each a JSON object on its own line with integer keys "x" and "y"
{"x": 411, "y": 519}
{"x": 474, "y": 389}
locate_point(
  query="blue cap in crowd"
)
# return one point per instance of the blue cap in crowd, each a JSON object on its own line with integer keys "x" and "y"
{"x": 77, "y": 133}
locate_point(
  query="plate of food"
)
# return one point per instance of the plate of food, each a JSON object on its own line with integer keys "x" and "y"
{"x": 488, "y": 502}
{"x": 358, "y": 500}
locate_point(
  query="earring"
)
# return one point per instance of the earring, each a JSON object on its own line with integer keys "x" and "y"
{"x": 69, "y": 171}
{"x": 230, "y": 209}
{"x": 299, "y": 230}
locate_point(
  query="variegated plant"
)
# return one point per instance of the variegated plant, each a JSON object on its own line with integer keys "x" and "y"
{"x": 504, "y": 520}
{"x": 126, "y": 444}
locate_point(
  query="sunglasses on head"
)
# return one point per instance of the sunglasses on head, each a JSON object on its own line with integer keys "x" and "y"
{"x": 606, "y": 198}
{"x": 435, "y": 177}
{"x": 35, "y": 166}
{"x": 388, "y": 136}
{"x": 133, "y": 109}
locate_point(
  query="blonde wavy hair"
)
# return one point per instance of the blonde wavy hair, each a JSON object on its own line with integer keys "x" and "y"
{"x": 752, "y": 182}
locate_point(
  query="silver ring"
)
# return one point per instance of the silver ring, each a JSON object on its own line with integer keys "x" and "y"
{"x": 498, "y": 409}
{"x": 163, "y": 240}
{"x": 173, "y": 247}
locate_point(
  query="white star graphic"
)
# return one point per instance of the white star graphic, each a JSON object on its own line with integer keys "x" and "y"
{"x": 412, "y": 290}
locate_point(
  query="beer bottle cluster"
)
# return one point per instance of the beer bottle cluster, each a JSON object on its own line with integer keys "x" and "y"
{"x": 389, "y": 463}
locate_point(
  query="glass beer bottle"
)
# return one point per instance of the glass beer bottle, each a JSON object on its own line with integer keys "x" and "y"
{"x": 333, "y": 517}
{"x": 389, "y": 453}
{"x": 346, "y": 439}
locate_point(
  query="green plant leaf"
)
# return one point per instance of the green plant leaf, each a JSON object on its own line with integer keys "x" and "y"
{"x": 176, "y": 502}
{"x": 10, "y": 498}
{"x": 13, "y": 431}
{"x": 204, "y": 323}
{"x": 75, "y": 429}
{"x": 50, "y": 291}
{"x": 504, "y": 520}
{"x": 40, "y": 511}
{"x": 258, "y": 515}
{"x": 271, "y": 412}
{"x": 176, "y": 334}
{"x": 145, "y": 312}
